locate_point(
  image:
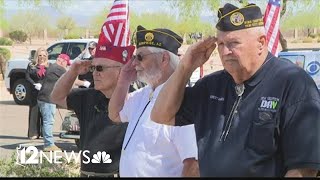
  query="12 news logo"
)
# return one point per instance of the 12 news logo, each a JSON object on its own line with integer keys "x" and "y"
{"x": 37, "y": 156}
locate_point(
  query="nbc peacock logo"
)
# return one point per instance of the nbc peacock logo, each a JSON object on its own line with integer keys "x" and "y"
{"x": 101, "y": 157}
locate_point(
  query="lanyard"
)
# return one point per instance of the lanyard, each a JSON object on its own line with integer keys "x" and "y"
{"x": 151, "y": 95}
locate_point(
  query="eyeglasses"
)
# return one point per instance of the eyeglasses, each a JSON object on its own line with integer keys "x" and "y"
{"x": 90, "y": 49}
{"x": 140, "y": 57}
{"x": 100, "y": 68}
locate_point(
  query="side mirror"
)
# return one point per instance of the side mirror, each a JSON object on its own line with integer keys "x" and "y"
{"x": 31, "y": 55}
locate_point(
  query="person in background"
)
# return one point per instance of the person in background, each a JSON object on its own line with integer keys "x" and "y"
{"x": 35, "y": 73}
{"x": 259, "y": 117}
{"x": 47, "y": 108}
{"x": 86, "y": 80}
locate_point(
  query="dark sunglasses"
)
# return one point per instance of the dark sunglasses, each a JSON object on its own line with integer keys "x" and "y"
{"x": 100, "y": 68}
{"x": 90, "y": 49}
{"x": 140, "y": 57}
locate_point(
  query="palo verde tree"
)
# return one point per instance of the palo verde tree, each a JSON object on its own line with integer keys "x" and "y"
{"x": 33, "y": 4}
{"x": 22, "y": 21}
{"x": 189, "y": 8}
{"x": 66, "y": 23}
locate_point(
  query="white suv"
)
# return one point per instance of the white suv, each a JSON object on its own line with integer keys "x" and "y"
{"x": 15, "y": 80}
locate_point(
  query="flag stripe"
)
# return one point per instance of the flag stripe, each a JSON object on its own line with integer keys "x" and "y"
{"x": 105, "y": 31}
{"x": 116, "y": 41}
{"x": 271, "y": 21}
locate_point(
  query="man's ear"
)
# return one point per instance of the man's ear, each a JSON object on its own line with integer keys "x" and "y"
{"x": 262, "y": 42}
{"x": 165, "y": 58}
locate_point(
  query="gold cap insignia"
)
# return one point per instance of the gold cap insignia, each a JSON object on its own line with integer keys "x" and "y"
{"x": 149, "y": 36}
{"x": 237, "y": 19}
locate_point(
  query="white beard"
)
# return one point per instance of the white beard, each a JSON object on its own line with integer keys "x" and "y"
{"x": 150, "y": 77}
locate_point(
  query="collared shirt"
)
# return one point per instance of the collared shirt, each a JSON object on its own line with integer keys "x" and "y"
{"x": 97, "y": 131}
{"x": 275, "y": 127}
{"x": 154, "y": 150}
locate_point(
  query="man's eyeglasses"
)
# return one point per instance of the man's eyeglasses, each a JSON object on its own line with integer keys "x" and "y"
{"x": 90, "y": 49}
{"x": 140, "y": 57}
{"x": 100, "y": 68}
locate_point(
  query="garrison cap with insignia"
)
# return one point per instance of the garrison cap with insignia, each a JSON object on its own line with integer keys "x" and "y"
{"x": 232, "y": 18}
{"x": 160, "y": 38}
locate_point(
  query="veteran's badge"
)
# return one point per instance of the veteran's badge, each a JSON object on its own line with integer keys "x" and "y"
{"x": 124, "y": 55}
{"x": 149, "y": 36}
{"x": 237, "y": 19}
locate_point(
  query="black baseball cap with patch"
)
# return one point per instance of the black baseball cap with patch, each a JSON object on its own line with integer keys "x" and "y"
{"x": 160, "y": 38}
{"x": 232, "y": 18}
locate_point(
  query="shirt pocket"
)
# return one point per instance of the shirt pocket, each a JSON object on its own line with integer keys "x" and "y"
{"x": 261, "y": 137}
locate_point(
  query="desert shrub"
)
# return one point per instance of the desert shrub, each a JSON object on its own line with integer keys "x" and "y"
{"x": 295, "y": 41}
{"x": 72, "y": 36}
{"x": 307, "y": 40}
{"x": 312, "y": 35}
{"x": 5, "y": 41}
{"x": 5, "y": 53}
{"x": 18, "y": 36}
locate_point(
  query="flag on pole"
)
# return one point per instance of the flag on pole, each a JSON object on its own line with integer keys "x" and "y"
{"x": 114, "y": 39}
{"x": 116, "y": 28}
{"x": 271, "y": 23}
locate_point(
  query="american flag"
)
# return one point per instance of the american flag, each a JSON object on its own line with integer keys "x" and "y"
{"x": 271, "y": 23}
{"x": 115, "y": 31}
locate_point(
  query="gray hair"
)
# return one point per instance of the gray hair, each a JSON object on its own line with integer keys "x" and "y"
{"x": 174, "y": 59}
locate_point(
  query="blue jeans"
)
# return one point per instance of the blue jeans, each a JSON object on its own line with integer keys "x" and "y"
{"x": 48, "y": 111}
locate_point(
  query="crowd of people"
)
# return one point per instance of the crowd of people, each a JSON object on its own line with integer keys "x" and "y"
{"x": 258, "y": 117}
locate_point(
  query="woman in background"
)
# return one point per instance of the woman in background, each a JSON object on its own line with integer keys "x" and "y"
{"x": 35, "y": 73}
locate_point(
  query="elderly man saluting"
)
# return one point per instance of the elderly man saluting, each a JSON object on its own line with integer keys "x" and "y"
{"x": 260, "y": 116}
{"x": 151, "y": 149}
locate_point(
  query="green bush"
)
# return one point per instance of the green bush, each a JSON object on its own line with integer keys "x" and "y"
{"x": 5, "y": 41}
{"x": 307, "y": 40}
{"x": 5, "y": 53}
{"x": 9, "y": 168}
{"x": 18, "y": 36}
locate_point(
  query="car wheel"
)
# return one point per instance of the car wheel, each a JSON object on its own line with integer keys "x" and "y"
{"x": 21, "y": 92}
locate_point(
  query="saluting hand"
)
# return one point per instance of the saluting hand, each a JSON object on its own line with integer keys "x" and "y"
{"x": 128, "y": 72}
{"x": 198, "y": 53}
{"x": 81, "y": 66}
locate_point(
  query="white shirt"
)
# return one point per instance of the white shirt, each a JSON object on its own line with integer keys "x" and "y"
{"x": 154, "y": 150}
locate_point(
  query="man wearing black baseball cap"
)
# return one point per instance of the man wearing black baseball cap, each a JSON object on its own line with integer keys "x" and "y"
{"x": 258, "y": 117}
{"x": 151, "y": 149}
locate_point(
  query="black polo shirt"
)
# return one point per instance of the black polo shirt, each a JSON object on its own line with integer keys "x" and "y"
{"x": 276, "y": 126}
{"x": 97, "y": 131}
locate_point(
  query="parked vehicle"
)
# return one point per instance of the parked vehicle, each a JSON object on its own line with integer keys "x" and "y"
{"x": 15, "y": 80}
{"x": 306, "y": 58}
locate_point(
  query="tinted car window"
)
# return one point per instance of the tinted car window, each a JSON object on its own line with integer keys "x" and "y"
{"x": 55, "y": 50}
{"x": 75, "y": 49}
